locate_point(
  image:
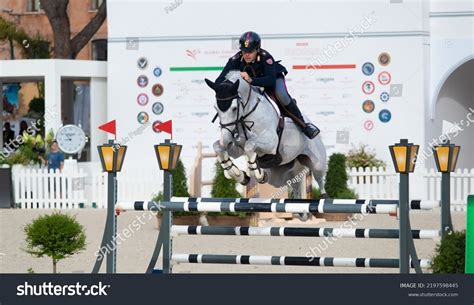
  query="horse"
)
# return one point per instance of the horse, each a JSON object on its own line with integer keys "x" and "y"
{"x": 250, "y": 127}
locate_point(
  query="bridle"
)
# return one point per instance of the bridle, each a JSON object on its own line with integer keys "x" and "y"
{"x": 245, "y": 124}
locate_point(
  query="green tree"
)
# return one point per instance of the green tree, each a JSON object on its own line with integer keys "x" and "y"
{"x": 57, "y": 236}
{"x": 450, "y": 254}
{"x": 223, "y": 187}
{"x": 31, "y": 47}
{"x": 363, "y": 157}
{"x": 336, "y": 178}
{"x": 179, "y": 182}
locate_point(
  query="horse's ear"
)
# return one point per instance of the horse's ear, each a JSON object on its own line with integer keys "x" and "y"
{"x": 235, "y": 86}
{"x": 210, "y": 84}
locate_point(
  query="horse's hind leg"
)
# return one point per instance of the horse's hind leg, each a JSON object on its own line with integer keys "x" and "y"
{"x": 230, "y": 169}
{"x": 318, "y": 170}
{"x": 320, "y": 180}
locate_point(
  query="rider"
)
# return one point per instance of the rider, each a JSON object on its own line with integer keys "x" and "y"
{"x": 258, "y": 68}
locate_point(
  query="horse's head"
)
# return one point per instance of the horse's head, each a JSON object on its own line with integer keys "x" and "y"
{"x": 228, "y": 107}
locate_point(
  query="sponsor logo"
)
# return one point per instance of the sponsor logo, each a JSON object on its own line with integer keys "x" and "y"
{"x": 157, "y": 90}
{"x": 384, "y": 59}
{"x": 368, "y": 87}
{"x": 368, "y": 106}
{"x": 384, "y": 78}
{"x": 142, "y": 99}
{"x": 368, "y": 125}
{"x": 384, "y": 96}
{"x": 142, "y": 117}
{"x": 157, "y": 108}
{"x": 142, "y": 63}
{"x": 142, "y": 81}
{"x": 385, "y": 115}
{"x": 368, "y": 68}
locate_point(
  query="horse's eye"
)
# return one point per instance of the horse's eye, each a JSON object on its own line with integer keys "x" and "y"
{"x": 234, "y": 109}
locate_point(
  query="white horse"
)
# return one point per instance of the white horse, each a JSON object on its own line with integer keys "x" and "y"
{"x": 249, "y": 125}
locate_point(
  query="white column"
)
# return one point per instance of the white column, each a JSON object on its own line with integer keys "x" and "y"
{"x": 52, "y": 103}
{"x": 98, "y": 114}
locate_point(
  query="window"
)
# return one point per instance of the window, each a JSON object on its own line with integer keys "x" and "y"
{"x": 99, "y": 49}
{"x": 95, "y": 4}
{"x": 33, "y": 6}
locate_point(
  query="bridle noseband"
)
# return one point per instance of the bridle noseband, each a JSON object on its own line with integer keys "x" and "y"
{"x": 246, "y": 125}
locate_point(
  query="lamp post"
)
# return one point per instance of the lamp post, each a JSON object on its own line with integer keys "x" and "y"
{"x": 404, "y": 158}
{"x": 446, "y": 157}
{"x": 167, "y": 154}
{"x": 111, "y": 157}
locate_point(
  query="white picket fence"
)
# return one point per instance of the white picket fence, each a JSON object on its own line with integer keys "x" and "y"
{"x": 382, "y": 183}
{"x": 462, "y": 184}
{"x": 36, "y": 188}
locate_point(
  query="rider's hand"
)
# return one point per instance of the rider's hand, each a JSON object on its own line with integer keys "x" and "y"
{"x": 246, "y": 77}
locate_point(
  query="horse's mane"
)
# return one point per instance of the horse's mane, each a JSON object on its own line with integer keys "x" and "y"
{"x": 233, "y": 76}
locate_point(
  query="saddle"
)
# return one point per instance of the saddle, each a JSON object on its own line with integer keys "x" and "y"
{"x": 269, "y": 161}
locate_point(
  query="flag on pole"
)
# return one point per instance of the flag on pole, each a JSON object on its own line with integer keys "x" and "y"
{"x": 110, "y": 127}
{"x": 165, "y": 127}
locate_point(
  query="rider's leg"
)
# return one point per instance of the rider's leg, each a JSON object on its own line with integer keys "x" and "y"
{"x": 289, "y": 103}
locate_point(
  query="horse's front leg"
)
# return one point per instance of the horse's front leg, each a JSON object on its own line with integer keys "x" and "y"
{"x": 230, "y": 169}
{"x": 264, "y": 143}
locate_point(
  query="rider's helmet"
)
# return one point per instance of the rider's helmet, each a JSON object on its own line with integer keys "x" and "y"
{"x": 249, "y": 41}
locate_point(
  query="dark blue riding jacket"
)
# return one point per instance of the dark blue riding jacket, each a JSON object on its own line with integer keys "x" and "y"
{"x": 263, "y": 71}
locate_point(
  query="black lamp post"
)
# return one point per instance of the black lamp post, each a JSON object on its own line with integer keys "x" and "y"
{"x": 404, "y": 159}
{"x": 167, "y": 154}
{"x": 111, "y": 157}
{"x": 446, "y": 157}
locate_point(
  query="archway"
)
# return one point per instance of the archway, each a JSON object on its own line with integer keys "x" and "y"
{"x": 454, "y": 102}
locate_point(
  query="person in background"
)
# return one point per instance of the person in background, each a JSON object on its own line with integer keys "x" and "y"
{"x": 23, "y": 127}
{"x": 8, "y": 133}
{"x": 55, "y": 157}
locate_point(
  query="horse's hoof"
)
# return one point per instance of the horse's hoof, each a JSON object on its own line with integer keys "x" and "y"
{"x": 203, "y": 221}
{"x": 303, "y": 216}
{"x": 264, "y": 179}
{"x": 227, "y": 175}
{"x": 324, "y": 196}
{"x": 245, "y": 180}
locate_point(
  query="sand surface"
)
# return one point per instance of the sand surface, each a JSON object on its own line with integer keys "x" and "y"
{"x": 135, "y": 251}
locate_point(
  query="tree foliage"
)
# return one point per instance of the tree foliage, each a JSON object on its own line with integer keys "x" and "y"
{"x": 363, "y": 157}
{"x": 57, "y": 236}
{"x": 336, "y": 178}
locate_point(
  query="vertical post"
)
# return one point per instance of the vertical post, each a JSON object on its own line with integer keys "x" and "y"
{"x": 111, "y": 220}
{"x": 404, "y": 222}
{"x": 446, "y": 221}
{"x": 167, "y": 221}
{"x": 470, "y": 235}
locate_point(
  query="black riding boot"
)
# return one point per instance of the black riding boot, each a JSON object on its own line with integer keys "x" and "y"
{"x": 309, "y": 129}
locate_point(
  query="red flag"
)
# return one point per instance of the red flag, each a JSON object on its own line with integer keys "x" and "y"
{"x": 109, "y": 127}
{"x": 166, "y": 127}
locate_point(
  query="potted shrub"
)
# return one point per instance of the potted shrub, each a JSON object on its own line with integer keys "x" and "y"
{"x": 450, "y": 254}
{"x": 336, "y": 185}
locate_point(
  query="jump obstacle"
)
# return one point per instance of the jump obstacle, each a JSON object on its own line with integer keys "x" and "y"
{"x": 356, "y": 206}
{"x": 401, "y": 207}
